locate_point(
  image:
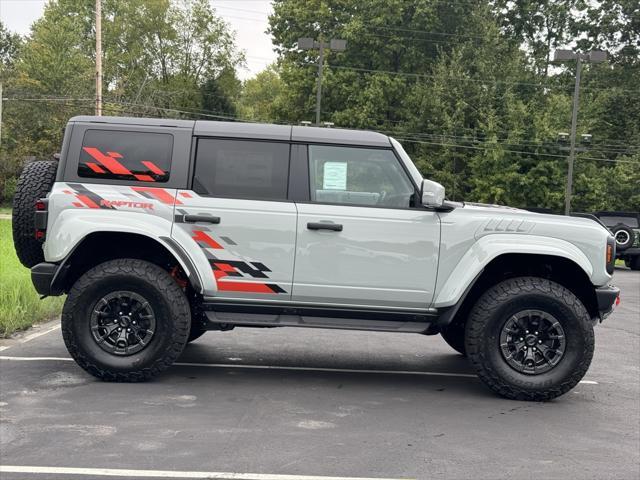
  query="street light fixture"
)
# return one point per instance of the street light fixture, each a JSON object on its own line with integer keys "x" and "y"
{"x": 336, "y": 44}
{"x": 559, "y": 56}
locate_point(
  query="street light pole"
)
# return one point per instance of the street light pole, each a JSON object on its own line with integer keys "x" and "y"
{"x": 98, "y": 58}
{"x": 572, "y": 146}
{"x": 594, "y": 56}
{"x": 311, "y": 44}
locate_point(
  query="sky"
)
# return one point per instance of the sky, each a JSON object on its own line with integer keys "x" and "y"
{"x": 248, "y": 18}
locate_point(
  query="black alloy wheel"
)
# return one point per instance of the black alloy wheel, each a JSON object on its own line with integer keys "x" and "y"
{"x": 532, "y": 342}
{"x": 122, "y": 323}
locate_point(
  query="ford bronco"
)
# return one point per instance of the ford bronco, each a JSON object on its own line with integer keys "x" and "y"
{"x": 158, "y": 230}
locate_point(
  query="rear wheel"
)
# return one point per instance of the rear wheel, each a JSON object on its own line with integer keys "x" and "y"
{"x": 34, "y": 183}
{"x": 125, "y": 320}
{"x": 529, "y": 338}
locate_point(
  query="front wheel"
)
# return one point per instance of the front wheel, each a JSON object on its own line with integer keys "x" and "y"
{"x": 529, "y": 338}
{"x": 125, "y": 320}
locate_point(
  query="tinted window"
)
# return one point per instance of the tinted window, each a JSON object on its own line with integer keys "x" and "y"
{"x": 358, "y": 176}
{"x": 612, "y": 221}
{"x": 242, "y": 169}
{"x": 137, "y": 156}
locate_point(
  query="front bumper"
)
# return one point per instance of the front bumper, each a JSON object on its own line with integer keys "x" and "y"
{"x": 608, "y": 298}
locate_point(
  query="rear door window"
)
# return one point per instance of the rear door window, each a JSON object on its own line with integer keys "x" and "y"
{"x": 120, "y": 155}
{"x": 242, "y": 169}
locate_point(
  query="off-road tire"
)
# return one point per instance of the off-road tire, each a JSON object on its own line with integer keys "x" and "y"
{"x": 34, "y": 183}
{"x": 501, "y": 302}
{"x": 168, "y": 301}
{"x": 453, "y": 334}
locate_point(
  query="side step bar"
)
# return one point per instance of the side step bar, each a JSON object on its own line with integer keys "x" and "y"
{"x": 222, "y": 315}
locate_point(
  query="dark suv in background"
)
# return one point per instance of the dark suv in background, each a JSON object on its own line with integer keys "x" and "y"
{"x": 625, "y": 227}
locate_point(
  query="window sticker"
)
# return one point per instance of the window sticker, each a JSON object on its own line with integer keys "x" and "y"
{"x": 335, "y": 176}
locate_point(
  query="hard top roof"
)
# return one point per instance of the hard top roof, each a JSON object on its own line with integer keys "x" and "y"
{"x": 262, "y": 131}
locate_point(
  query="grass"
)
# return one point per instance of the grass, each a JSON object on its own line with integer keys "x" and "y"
{"x": 20, "y": 305}
{"x": 5, "y": 210}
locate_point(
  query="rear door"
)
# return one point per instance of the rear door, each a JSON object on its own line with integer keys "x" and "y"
{"x": 236, "y": 219}
{"x": 361, "y": 239}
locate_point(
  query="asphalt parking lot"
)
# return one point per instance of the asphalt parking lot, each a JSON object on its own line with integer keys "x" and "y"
{"x": 287, "y": 403}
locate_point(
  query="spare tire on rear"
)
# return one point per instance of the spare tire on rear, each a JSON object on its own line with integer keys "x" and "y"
{"x": 35, "y": 182}
{"x": 624, "y": 236}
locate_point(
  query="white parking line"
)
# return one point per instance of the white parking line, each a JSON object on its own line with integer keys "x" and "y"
{"x": 35, "y": 335}
{"x": 31, "y": 336}
{"x": 118, "y": 472}
{"x": 279, "y": 367}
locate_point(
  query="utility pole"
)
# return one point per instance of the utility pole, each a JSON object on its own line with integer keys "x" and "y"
{"x": 319, "y": 82}
{"x": 594, "y": 56}
{"x": 311, "y": 44}
{"x": 99, "y": 58}
{"x": 0, "y": 113}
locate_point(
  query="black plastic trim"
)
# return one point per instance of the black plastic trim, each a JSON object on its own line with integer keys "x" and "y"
{"x": 318, "y": 311}
{"x": 606, "y": 297}
{"x": 42, "y": 276}
{"x": 193, "y": 273}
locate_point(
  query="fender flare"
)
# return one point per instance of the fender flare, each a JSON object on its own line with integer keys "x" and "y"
{"x": 70, "y": 231}
{"x": 489, "y": 247}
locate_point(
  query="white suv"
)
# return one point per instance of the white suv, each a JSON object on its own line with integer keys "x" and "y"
{"x": 158, "y": 230}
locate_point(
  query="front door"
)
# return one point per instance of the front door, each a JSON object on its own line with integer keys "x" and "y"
{"x": 360, "y": 240}
{"x": 237, "y": 218}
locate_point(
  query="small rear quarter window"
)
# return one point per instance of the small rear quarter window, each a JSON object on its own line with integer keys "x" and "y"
{"x": 121, "y": 155}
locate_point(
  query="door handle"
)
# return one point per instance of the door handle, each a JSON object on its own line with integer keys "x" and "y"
{"x": 336, "y": 227}
{"x": 201, "y": 218}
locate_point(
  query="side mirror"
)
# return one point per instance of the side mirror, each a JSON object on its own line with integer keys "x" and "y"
{"x": 432, "y": 194}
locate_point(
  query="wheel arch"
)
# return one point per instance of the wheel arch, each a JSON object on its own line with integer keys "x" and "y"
{"x": 102, "y": 246}
{"x": 559, "y": 269}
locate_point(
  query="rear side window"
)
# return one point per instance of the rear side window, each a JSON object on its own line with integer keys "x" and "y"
{"x": 137, "y": 156}
{"x": 242, "y": 169}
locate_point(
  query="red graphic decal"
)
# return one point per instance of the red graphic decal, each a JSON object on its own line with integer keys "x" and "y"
{"x": 114, "y": 154}
{"x": 77, "y": 204}
{"x": 68, "y": 192}
{"x": 111, "y": 163}
{"x": 244, "y": 287}
{"x": 87, "y": 201}
{"x": 160, "y": 194}
{"x": 144, "y": 178}
{"x": 200, "y": 236}
{"x": 153, "y": 167}
{"x": 95, "y": 167}
{"x": 185, "y": 194}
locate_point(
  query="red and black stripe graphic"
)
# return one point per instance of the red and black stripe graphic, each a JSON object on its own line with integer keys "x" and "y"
{"x": 87, "y": 198}
{"x": 111, "y": 166}
{"x": 160, "y": 194}
{"x": 223, "y": 269}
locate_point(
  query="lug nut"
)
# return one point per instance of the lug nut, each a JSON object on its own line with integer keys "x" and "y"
{"x": 119, "y": 329}
{"x": 535, "y": 333}
{"x": 128, "y": 329}
{"x": 524, "y": 332}
{"x": 539, "y": 341}
{"x": 521, "y": 339}
{"x": 134, "y": 322}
